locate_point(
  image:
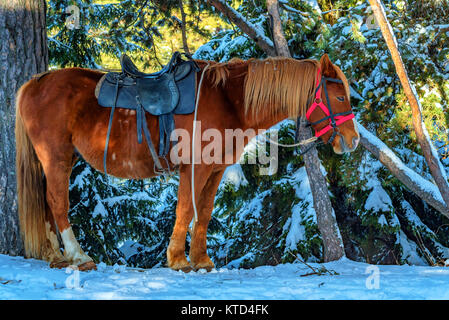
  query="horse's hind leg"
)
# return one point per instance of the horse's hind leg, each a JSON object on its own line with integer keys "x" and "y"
{"x": 57, "y": 174}
{"x": 53, "y": 252}
{"x": 198, "y": 245}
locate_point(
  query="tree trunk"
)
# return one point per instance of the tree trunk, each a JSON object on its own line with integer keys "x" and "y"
{"x": 23, "y": 47}
{"x": 327, "y": 223}
{"x": 325, "y": 215}
{"x": 183, "y": 28}
{"x": 280, "y": 43}
{"x": 429, "y": 152}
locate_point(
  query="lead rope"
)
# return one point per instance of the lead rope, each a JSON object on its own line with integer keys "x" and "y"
{"x": 193, "y": 145}
{"x": 300, "y": 143}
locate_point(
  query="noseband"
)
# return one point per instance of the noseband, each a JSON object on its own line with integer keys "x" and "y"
{"x": 335, "y": 119}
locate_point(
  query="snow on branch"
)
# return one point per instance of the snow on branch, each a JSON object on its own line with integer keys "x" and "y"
{"x": 423, "y": 188}
{"x": 430, "y": 154}
{"x": 247, "y": 27}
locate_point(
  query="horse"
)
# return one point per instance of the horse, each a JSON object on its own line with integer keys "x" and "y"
{"x": 58, "y": 119}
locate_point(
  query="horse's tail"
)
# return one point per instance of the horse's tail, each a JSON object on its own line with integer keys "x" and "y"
{"x": 30, "y": 189}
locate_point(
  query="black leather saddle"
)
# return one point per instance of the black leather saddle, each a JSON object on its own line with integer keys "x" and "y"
{"x": 169, "y": 91}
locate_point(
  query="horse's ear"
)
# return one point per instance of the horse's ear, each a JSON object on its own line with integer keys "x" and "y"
{"x": 327, "y": 68}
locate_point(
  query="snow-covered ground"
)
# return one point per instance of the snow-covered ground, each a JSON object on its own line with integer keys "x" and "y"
{"x": 32, "y": 279}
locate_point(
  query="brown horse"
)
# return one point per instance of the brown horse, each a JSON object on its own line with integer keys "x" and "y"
{"x": 57, "y": 114}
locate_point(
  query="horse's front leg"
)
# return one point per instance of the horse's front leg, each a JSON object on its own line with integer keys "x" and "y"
{"x": 198, "y": 246}
{"x": 176, "y": 258}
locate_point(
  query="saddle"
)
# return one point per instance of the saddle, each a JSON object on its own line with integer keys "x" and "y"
{"x": 164, "y": 93}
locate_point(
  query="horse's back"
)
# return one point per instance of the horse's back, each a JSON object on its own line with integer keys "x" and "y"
{"x": 61, "y": 111}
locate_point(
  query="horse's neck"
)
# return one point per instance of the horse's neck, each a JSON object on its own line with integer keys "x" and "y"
{"x": 235, "y": 91}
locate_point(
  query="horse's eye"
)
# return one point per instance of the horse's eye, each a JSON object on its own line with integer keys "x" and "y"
{"x": 341, "y": 99}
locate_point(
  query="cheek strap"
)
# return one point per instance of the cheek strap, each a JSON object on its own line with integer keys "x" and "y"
{"x": 335, "y": 119}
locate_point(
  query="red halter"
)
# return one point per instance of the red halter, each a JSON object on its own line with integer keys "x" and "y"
{"x": 334, "y": 119}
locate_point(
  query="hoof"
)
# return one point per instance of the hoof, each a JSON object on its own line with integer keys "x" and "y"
{"x": 206, "y": 265}
{"x": 208, "y": 268}
{"x": 90, "y": 265}
{"x": 186, "y": 269}
{"x": 59, "y": 265}
{"x": 182, "y": 265}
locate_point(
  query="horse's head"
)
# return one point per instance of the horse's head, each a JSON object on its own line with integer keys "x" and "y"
{"x": 329, "y": 112}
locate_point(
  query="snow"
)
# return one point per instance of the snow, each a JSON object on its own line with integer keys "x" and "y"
{"x": 136, "y": 196}
{"x": 99, "y": 209}
{"x": 32, "y": 279}
{"x": 300, "y": 181}
{"x": 409, "y": 250}
{"x": 420, "y": 181}
{"x": 260, "y": 34}
{"x": 314, "y": 4}
{"x": 378, "y": 200}
{"x": 234, "y": 175}
{"x": 413, "y": 218}
{"x": 296, "y": 231}
{"x": 253, "y": 209}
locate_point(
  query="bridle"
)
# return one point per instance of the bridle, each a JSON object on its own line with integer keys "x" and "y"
{"x": 335, "y": 119}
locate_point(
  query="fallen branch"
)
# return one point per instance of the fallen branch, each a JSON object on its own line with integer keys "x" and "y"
{"x": 322, "y": 271}
{"x": 423, "y": 188}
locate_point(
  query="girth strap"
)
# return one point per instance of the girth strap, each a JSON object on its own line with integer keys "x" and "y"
{"x": 166, "y": 127}
{"x": 111, "y": 116}
{"x": 141, "y": 124}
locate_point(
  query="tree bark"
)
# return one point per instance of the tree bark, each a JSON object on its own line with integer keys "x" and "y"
{"x": 280, "y": 43}
{"x": 183, "y": 28}
{"x": 424, "y": 189}
{"x": 429, "y": 152}
{"x": 326, "y": 220}
{"x": 23, "y": 52}
{"x": 248, "y": 28}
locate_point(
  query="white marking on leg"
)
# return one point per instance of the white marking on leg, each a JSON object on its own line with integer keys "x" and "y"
{"x": 72, "y": 249}
{"x": 54, "y": 255}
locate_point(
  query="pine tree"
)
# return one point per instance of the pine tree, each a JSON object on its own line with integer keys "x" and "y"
{"x": 23, "y": 43}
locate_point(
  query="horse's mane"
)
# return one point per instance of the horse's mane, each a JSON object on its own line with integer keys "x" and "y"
{"x": 275, "y": 83}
